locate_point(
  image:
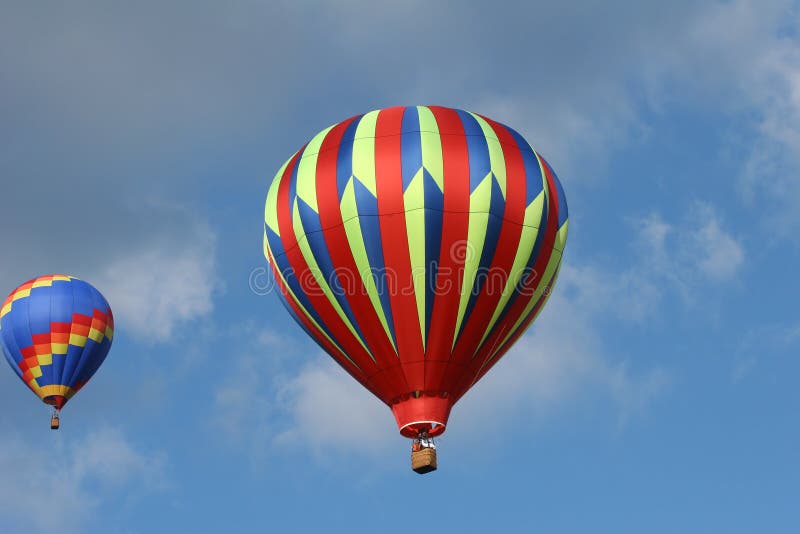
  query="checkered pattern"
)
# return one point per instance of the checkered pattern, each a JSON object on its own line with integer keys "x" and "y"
{"x": 55, "y": 332}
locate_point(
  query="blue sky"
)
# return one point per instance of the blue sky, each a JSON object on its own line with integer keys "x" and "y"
{"x": 657, "y": 392}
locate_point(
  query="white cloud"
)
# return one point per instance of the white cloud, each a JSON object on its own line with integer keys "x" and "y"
{"x": 62, "y": 486}
{"x": 244, "y": 406}
{"x": 263, "y": 406}
{"x": 559, "y": 360}
{"x": 742, "y": 59}
{"x": 328, "y": 409}
{"x": 163, "y": 284}
{"x": 690, "y": 251}
{"x": 763, "y": 341}
{"x": 722, "y": 255}
{"x": 564, "y": 358}
{"x": 319, "y": 406}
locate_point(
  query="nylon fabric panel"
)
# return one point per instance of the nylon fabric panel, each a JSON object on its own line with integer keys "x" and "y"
{"x": 326, "y": 237}
{"x": 300, "y": 269}
{"x": 453, "y": 247}
{"x": 533, "y": 283}
{"x": 460, "y": 225}
{"x": 389, "y": 186}
{"x": 507, "y": 241}
{"x": 330, "y": 171}
{"x": 47, "y": 329}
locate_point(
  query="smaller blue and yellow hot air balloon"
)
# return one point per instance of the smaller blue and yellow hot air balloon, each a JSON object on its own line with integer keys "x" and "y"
{"x": 55, "y": 331}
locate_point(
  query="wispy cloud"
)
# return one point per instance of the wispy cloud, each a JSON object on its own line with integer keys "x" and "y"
{"x": 163, "y": 284}
{"x": 244, "y": 406}
{"x": 690, "y": 251}
{"x": 60, "y": 487}
{"x": 327, "y": 409}
{"x": 562, "y": 359}
{"x": 763, "y": 341}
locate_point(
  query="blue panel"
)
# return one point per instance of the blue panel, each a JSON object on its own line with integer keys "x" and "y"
{"x": 10, "y": 351}
{"x": 10, "y": 346}
{"x": 410, "y": 146}
{"x": 371, "y": 231}
{"x": 61, "y": 305}
{"x": 61, "y": 302}
{"x": 479, "y": 162}
{"x": 95, "y": 353}
{"x": 366, "y": 202}
{"x": 533, "y": 174}
{"x": 344, "y": 157}
{"x": 83, "y": 303}
{"x": 59, "y": 364}
{"x": 292, "y": 182}
{"x": 563, "y": 211}
{"x": 71, "y": 362}
{"x": 312, "y": 224}
{"x": 285, "y": 268}
{"x": 275, "y": 243}
{"x": 434, "y": 213}
{"x": 537, "y": 246}
{"x": 319, "y": 248}
{"x": 19, "y": 324}
{"x": 493, "y": 228}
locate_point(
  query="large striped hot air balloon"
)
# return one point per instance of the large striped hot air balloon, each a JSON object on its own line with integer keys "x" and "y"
{"x": 416, "y": 245}
{"x": 55, "y": 331}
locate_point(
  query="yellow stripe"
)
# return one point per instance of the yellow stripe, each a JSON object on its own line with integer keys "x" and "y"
{"x": 355, "y": 239}
{"x": 547, "y": 279}
{"x": 316, "y": 272}
{"x": 431, "y": 145}
{"x": 414, "y": 202}
{"x": 95, "y": 335}
{"x": 271, "y": 205}
{"x": 22, "y": 293}
{"x": 479, "y": 203}
{"x": 364, "y": 152}
{"x": 497, "y": 161}
{"x": 307, "y": 315}
{"x": 530, "y": 232}
{"x": 307, "y": 174}
{"x": 54, "y": 389}
{"x": 77, "y": 341}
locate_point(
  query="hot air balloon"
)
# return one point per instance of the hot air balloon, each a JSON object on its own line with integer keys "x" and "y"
{"x": 416, "y": 245}
{"x": 56, "y": 331}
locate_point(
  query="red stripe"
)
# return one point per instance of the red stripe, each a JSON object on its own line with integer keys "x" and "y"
{"x": 396, "y": 257}
{"x": 317, "y": 334}
{"x": 484, "y": 368}
{"x": 455, "y": 227}
{"x": 506, "y": 250}
{"x": 39, "y": 339}
{"x": 342, "y": 258}
{"x": 318, "y": 300}
{"x": 530, "y": 285}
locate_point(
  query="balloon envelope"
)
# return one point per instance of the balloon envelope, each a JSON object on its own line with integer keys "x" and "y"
{"x": 415, "y": 245}
{"x": 55, "y": 331}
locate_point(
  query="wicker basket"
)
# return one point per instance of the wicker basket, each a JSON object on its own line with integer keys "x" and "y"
{"x": 423, "y": 461}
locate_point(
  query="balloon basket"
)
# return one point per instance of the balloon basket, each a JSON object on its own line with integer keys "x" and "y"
{"x": 54, "y": 422}
{"x": 423, "y": 461}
